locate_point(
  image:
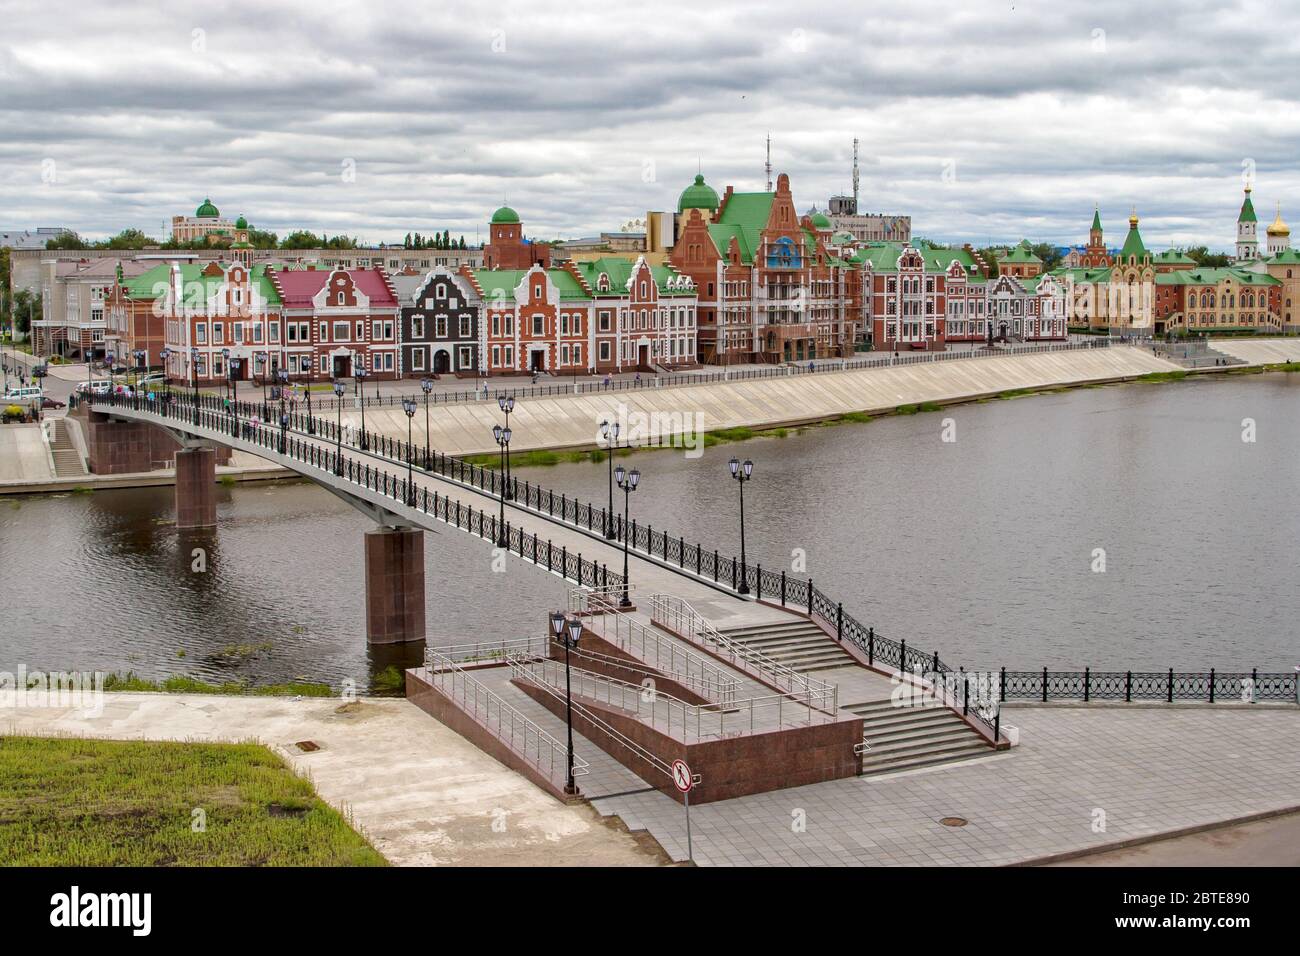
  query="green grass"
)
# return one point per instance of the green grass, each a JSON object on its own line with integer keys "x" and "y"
{"x": 390, "y": 680}
{"x": 1015, "y": 393}
{"x": 72, "y": 802}
{"x": 182, "y": 684}
{"x": 929, "y": 407}
{"x": 1162, "y": 376}
{"x": 906, "y": 410}
{"x": 856, "y": 417}
{"x": 227, "y": 481}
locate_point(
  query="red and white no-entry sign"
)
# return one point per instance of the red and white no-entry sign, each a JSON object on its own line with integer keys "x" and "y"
{"x": 682, "y": 778}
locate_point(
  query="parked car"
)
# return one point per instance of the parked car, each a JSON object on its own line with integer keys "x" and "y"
{"x": 97, "y": 387}
{"x": 47, "y": 402}
{"x": 154, "y": 378}
{"x": 40, "y": 371}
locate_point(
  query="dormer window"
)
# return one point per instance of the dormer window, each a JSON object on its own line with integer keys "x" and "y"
{"x": 340, "y": 298}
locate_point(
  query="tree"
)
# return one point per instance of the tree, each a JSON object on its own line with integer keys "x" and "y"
{"x": 67, "y": 239}
{"x": 128, "y": 239}
{"x": 1203, "y": 257}
{"x": 406, "y": 243}
{"x": 462, "y": 242}
{"x": 300, "y": 239}
{"x": 262, "y": 239}
{"x": 1050, "y": 255}
{"x": 446, "y": 239}
{"x": 990, "y": 259}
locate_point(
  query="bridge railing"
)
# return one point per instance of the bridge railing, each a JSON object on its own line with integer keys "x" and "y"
{"x": 395, "y": 491}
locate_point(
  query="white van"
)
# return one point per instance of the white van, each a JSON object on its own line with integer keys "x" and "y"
{"x": 28, "y": 393}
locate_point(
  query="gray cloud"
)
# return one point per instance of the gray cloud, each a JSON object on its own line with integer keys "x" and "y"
{"x": 584, "y": 115}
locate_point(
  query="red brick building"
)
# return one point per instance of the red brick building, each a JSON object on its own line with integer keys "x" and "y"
{"x": 508, "y": 249}
{"x": 336, "y": 321}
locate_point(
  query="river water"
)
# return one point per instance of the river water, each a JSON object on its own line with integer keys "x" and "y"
{"x": 988, "y": 548}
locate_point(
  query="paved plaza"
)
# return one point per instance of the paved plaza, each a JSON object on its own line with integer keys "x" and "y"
{"x": 1138, "y": 771}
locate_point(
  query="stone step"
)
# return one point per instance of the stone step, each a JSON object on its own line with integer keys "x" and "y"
{"x": 874, "y": 768}
{"x": 933, "y": 735}
{"x": 767, "y": 630}
{"x": 890, "y": 722}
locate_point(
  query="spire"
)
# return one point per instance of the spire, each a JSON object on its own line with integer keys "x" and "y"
{"x": 1096, "y": 218}
{"x": 1247, "y": 208}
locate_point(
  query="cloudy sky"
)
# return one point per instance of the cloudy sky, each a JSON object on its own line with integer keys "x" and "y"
{"x": 983, "y": 121}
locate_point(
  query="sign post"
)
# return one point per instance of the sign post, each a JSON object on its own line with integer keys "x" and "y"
{"x": 684, "y": 781}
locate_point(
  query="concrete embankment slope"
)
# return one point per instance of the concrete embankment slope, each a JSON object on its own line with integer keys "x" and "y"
{"x": 1265, "y": 352}
{"x": 572, "y": 421}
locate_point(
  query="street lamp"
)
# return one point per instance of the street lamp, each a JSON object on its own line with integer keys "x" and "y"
{"x": 359, "y": 374}
{"x": 610, "y": 434}
{"x": 742, "y": 474}
{"x": 165, "y": 353}
{"x": 225, "y": 354}
{"x": 408, "y": 406}
{"x": 259, "y": 367}
{"x": 567, "y": 633}
{"x": 306, "y": 363}
{"x": 507, "y": 405}
{"x": 427, "y": 385}
{"x": 502, "y": 436}
{"x": 139, "y": 355}
{"x": 338, "y": 450}
{"x": 627, "y": 480}
{"x": 194, "y": 378}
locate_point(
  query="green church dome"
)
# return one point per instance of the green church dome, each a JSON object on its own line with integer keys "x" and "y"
{"x": 241, "y": 223}
{"x": 820, "y": 221}
{"x": 207, "y": 210}
{"x": 698, "y": 195}
{"x": 505, "y": 214}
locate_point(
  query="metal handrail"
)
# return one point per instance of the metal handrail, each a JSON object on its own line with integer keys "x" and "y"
{"x": 466, "y": 653}
{"x": 517, "y": 670}
{"x": 677, "y": 615}
{"x": 688, "y": 723}
{"x": 652, "y": 648}
{"x": 509, "y": 725}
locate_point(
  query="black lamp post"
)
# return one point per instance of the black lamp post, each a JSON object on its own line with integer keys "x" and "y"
{"x": 306, "y": 363}
{"x": 502, "y": 436}
{"x": 360, "y": 375}
{"x": 408, "y": 406}
{"x": 225, "y": 354}
{"x": 165, "y": 353}
{"x": 742, "y": 474}
{"x": 427, "y": 386}
{"x": 259, "y": 369}
{"x": 233, "y": 371}
{"x": 194, "y": 378}
{"x": 338, "y": 430}
{"x": 507, "y": 405}
{"x": 139, "y": 355}
{"x": 567, "y": 633}
{"x": 628, "y": 481}
{"x": 610, "y": 434}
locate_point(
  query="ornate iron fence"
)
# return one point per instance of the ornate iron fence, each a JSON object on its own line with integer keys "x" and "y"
{"x": 1207, "y": 686}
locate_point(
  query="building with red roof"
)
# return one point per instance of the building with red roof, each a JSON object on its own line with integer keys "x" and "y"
{"x": 336, "y": 321}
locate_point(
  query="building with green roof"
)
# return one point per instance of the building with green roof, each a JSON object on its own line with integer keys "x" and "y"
{"x": 1247, "y": 226}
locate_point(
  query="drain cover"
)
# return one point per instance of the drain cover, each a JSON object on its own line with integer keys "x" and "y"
{"x": 307, "y": 746}
{"x": 954, "y": 821}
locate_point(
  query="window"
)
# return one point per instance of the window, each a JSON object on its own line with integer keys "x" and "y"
{"x": 510, "y": 356}
{"x": 340, "y": 331}
{"x": 464, "y": 357}
{"x": 496, "y": 328}
{"x": 257, "y": 334}
{"x": 496, "y": 356}
{"x": 239, "y": 333}
{"x": 577, "y": 323}
{"x": 339, "y": 300}
{"x": 375, "y": 329}
{"x": 273, "y": 332}
{"x": 217, "y": 333}
{"x": 604, "y": 321}
{"x": 539, "y": 324}
{"x": 441, "y": 326}
{"x": 465, "y": 331}
{"x": 361, "y": 331}
{"x": 323, "y": 332}
{"x": 417, "y": 360}
{"x": 417, "y": 326}
{"x": 604, "y": 351}
{"x": 201, "y": 333}
{"x": 304, "y": 331}
{"x": 577, "y": 355}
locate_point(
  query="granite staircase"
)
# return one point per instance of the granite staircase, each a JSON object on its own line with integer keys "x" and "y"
{"x": 67, "y": 460}
{"x": 904, "y": 738}
{"x": 800, "y": 645}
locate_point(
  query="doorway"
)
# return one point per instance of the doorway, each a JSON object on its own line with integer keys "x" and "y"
{"x": 342, "y": 366}
{"x": 536, "y": 360}
{"x": 441, "y": 362}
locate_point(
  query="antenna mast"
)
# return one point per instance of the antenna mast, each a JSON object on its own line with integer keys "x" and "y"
{"x": 768, "y": 165}
{"x": 855, "y": 175}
